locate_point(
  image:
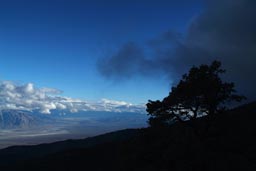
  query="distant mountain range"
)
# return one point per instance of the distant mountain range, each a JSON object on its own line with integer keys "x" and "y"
{"x": 29, "y": 128}
{"x": 15, "y": 118}
{"x": 12, "y": 119}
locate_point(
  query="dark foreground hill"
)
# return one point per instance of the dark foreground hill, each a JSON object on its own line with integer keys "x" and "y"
{"x": 226, "y": 142}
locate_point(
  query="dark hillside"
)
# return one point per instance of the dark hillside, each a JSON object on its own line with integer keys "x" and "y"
{"x": 226, "y": 142}
{"x": 19, "y": 154}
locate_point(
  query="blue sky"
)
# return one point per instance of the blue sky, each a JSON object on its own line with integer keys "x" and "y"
{"x": 57, "y": 43}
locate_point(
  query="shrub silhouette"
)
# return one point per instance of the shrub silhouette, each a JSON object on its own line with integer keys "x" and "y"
{"x": 200, "y": 92}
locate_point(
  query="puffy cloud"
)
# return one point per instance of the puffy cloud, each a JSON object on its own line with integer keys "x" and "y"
{"x": 28, "y": 97}
{"x": 29, "y": 88}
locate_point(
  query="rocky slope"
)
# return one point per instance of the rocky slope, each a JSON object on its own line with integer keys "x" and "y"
{"x": 10, "y": 119}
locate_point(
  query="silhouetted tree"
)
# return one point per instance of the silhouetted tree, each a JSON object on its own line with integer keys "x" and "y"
{"x": 200, "y": 92}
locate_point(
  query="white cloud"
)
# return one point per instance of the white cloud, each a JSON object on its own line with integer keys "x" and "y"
{"x": 50, "y": 90}
{"x": 28, "y": 97}
{"x": 114, "y": 102}
{"x": 29, "y": 88}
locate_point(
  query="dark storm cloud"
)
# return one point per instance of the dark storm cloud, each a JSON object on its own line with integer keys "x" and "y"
{"x": 127, "y": 62}
{"x": 225, "y": 30}
{"x": 133, "y": 60}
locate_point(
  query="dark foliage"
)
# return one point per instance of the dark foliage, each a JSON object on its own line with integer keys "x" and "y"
{"x": 200, "y": 92}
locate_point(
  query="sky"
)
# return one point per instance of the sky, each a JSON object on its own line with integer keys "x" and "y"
{"x": 58, "y": 43}
{"x": 123, "y": 50}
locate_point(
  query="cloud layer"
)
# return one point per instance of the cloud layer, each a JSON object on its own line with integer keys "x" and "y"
{"x": 225, "y": 30}
{"x": 28, "y": 97}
